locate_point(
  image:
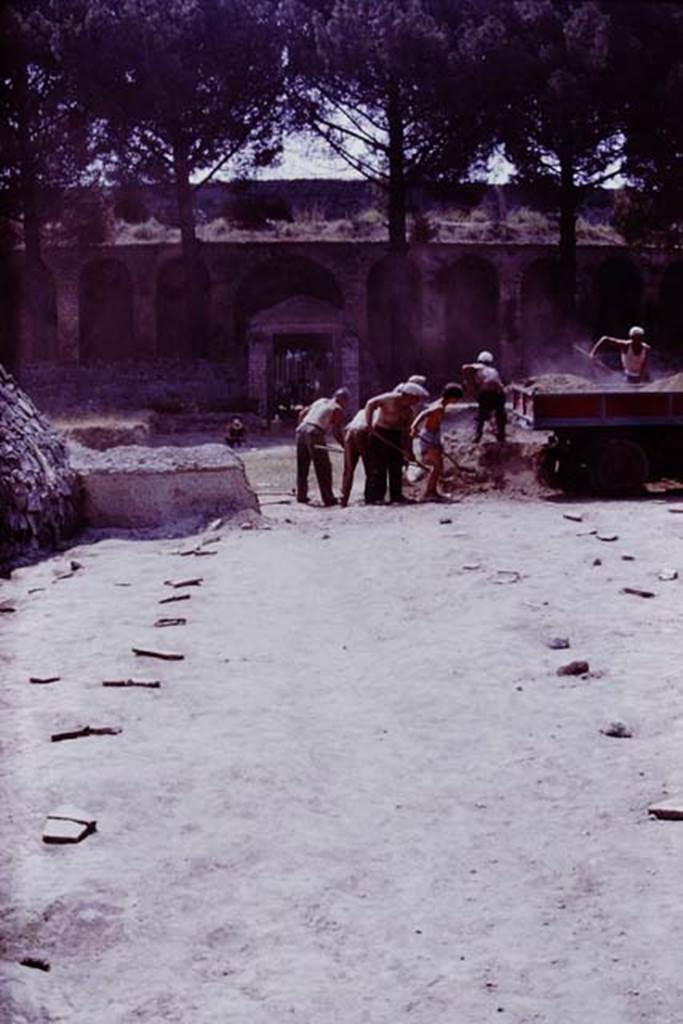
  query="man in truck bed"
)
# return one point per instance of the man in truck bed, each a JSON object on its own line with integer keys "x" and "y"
{"x": 634, "y": 354}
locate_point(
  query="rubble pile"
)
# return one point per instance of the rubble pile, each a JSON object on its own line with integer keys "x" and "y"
{"x": 38, "y": 488}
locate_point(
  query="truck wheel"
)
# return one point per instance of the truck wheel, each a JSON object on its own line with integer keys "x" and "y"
{"x": 617, "y": 466}
{"x": 557, "y": 469}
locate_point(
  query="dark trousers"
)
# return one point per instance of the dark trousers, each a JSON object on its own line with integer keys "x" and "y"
{"x": 308, "y": 449}
{"x": 491, "y": 403}
{"x": 386, "y": 463}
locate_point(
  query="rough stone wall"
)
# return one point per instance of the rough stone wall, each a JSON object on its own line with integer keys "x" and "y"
{"x": 38, "y": 489}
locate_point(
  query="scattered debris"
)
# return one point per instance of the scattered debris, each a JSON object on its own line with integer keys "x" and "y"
{"x": 667, "y": 810}
{"x": 177, "y": 597}
{"x": 75, "y": 566}
{"x": 192, "y": 581}
{"x": 620, "y": 730}
{"x": 211, "y": 540}
{"x": 326, "y": 536}
{"x": 68, "y": 825}
{"x": 34, "y": 590}
{"x": 597, "y": 561}
{"x": 123, "y": 584}
{"x": 150, "y": 685}
{"x": 171, "y": 622}
{"x": 215, "y": 524}
{"x": 471, "y": 566}
{"x": 506, "y": 576}
{"x": 628, "y": 558}
{"x": 7, "y": 606}
{"x": 35, "y": 961}
{"x": 44, "y": 679}
{"x": 64, "y": 575}
{"x": 587, "y": 533}
{"x": 638, "y": 593}
{"x": 558, "y": 643}
{"x": 85, "y": 730}
{"x": 141, "y": 652}
{"x": 573, "y": 517}
{"x": 574, "y": 668}
{"x": 445, "y": 521}
{"x": 607, "y": 536}
{"x": 247, "y": 526}
{"x": 668, "y": 574}
{"x": 676, "y": 511}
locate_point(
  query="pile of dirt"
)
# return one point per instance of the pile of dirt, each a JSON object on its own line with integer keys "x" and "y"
{"x": 672, "y": 383}
{"x": 489, "y": 466}
{"x": 561, "y": 382}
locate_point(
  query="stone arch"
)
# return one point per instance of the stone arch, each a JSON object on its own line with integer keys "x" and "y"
{"x": 290, "y": 326}
{"x": 9, "y": 315}
{"x": 174, "y": 338}
{"x": 617, "y": 298}
{"x": 394, "y": 297}
{"x": 670, "y": 311}
{"x": 34, "y": 323}
{"x": 105, "y": 312}
{"x": 541, "y": 313}
{"x": 472, "y": 315}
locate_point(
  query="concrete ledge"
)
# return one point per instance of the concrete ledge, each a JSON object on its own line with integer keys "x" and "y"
{"x": 137, "y": 487}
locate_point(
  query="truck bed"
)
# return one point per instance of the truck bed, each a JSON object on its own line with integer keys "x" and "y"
{"x": 548, "y": 410}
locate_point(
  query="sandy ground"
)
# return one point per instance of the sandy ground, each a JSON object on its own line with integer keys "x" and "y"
{"x": 364, "y": 796}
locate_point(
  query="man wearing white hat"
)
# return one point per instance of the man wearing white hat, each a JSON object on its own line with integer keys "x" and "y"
{"x": 483, "y": 378}
{"x": 387, "y": 417}
{"x": 634, "y": 354}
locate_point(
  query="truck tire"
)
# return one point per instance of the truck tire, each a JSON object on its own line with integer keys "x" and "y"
{"x": 617, "y": 466}
{"x": 557, "y": 468}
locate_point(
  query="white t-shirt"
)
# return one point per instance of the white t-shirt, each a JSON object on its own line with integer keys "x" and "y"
{"x": 320, "y": 413}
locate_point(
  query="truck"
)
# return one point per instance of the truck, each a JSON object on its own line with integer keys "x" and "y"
{"x": 607, "y": 441}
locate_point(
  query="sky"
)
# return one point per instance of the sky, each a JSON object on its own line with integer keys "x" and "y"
{"x": 307, "y": 157}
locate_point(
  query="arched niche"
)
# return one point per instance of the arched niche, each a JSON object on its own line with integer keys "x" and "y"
{"x": 105, "y": 312}
{"x": 541, "y": 314}
{"x": 394, "y": 297}
{"x": 34, "y": 315}
{"x": 175, "y": 337}
{"x": 617, "y": 298}
{"x": 670, "y": 311}
{"x": 472, "y": 320}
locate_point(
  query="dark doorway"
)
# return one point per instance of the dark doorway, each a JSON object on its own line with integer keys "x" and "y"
{"x": 472, "y": 299}
{"x": 106, "y": 313}
{"x": 302, "y": 371}
{"x": 616, "y": 299}
{"x": 542, "y": 320}
{"x": 670, "y": 318}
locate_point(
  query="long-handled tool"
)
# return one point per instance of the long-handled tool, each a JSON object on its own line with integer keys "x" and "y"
{"x": 594, "y": 360}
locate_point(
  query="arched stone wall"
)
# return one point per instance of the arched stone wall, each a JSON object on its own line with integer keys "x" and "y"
{"x": 472, "y": 313}
{"x": 35, "y": 322}
{"x": 670, "y": 311}
{"x": 105, "y": 312}
{"x": 290, "y": 308}
{"x": 540, "y": 315}
{"x": 393, "y": 350}
{"x": 174, "y": 338}
{"x": 616, "y": 298}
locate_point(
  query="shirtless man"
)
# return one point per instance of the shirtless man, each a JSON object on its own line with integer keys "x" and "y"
{"x": 356, "y": 447}
{"x": 387, "y": 443}
{"x": 485, "y": 380}
{"x": 324, "y": 414}
{"x": 426, "y": 431}
{"x": 634, "y": 354}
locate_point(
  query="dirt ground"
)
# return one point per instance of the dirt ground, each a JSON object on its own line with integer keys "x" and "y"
{"x": 365, "y": 795}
